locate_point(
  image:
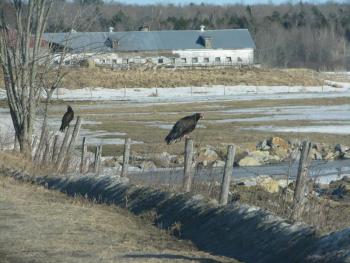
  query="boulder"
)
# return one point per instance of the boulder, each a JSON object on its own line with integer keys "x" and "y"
{"x": 277, "y": 142}
{"x": 341, "y": 148}
{"x": 148, "y": 166}
{"x": 316, "y": 155}
{"x": 282, "y": 153}
{"x": 207, "y": 154}
{"x": 268, "y": 184}
{"x": 263, "y": 146}
{"x": 162, "y": 160}
{"x": 346, "y": 155}
{"x": 218, "y": 163}
{"x": 249, "y": 161}
{"x": 261, "y": 156}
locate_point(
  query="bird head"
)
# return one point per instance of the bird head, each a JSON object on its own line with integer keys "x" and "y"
{"x": 199, "y": 116}
{"x": 69, "y": 108}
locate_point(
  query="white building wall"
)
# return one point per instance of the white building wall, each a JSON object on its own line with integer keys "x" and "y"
{"x": 181, "y": 57}
{"x": 243, "y": 56}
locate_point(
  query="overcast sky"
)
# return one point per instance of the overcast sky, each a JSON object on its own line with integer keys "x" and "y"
{"x": 245, "y": 2}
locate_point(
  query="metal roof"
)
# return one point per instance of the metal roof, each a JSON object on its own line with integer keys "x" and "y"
{"x": 152, "y": 40}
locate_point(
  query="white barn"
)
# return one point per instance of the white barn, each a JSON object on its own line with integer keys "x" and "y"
{"x": 169, "y": 47}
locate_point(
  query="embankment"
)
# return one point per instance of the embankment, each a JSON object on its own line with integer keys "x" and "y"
{"x": 246, "y": 233}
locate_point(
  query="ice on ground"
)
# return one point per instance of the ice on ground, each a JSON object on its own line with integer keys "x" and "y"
{"x": 281, "y": 113}
{"x": 332, "y": 129}
{"x": 239, "y": 92}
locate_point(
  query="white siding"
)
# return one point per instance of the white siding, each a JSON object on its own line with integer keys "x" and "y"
{"x": 246, "y": 55}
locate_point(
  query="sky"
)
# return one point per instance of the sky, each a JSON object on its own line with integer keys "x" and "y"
{"x": 244, "y": 2}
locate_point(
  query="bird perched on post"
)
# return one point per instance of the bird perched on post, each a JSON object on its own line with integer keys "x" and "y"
{"x": 67, "y": 118}
{"x": 183, "y": 127}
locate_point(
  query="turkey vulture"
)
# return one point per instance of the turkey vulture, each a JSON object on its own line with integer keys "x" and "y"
{"x": 67, "y": 118}
{"x": 183, "y": 127}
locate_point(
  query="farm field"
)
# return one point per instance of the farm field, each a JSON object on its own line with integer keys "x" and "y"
{"x": 100, "y": 77}
{"x": 243, "y": 123}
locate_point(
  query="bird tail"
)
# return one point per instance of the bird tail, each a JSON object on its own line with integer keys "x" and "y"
{"x": 61, "y": 128}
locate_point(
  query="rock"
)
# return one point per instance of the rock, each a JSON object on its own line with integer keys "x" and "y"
{"x": 268, "y": 184}
{"x": 316, "y": 155}
{"x": 249, "y": 161}
{"x": 263, "y": 146}
{"x": 277, "y": 142}
{"x": 162, "y": 160}
{"x": 346, "y": 155}
{"x": 147, "y": 166}
{"x": 341, "y": 148}
{"x": 329, "y": 156}
{"x": 218, "y": 163}
{"x": 207, "y": 154}
{"x": 262, "y": 156}
{"x": 280, "y": 152}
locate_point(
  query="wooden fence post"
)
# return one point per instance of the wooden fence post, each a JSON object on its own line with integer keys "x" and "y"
{"x": 301, "y": 181}
{"x": 187, "y": 179}
{"x": 225, "y": 184}
{"x": 126, "y": 157}
{"x": 83, "y": 156}
{"x": 63, "y": 149}
{"x": 55, "y": 149}
{"x": 98, "y": 154}
{"x": 72, "y": 140}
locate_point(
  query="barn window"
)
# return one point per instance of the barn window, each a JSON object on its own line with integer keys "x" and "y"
{"x": 103, "y": 61}
{"x": 172, "y": 60}
{"x": 125, "y": 61}
{"x": 206, "y": 60}
{"x": 183, "y": 60}
{"x": 160, "y": 61}
{"x": 239, "y": 59}
{"x": 114, "y": 61}
{"x": 217, "y": 59}
{"x": 228, "y": 59}
{"x": 67, "y": 62}
{"x": 194, "y": 60}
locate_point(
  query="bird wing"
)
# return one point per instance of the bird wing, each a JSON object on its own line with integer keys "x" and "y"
{"x": 182, "y": 127}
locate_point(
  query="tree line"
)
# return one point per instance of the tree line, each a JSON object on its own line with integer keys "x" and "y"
{"x": 286, "y": 35}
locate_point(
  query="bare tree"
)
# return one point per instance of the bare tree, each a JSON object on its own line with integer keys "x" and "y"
{"x": 20, "y": 54}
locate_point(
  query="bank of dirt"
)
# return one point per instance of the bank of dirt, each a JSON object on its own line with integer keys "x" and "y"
{"x": 40, "y": 225}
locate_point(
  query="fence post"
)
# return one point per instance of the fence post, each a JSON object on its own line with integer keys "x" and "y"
{"x": 83, "y": 156}
{"x": 63, "y": 149}
{"x": 72, "y": 140}
{"x": 126, "y": 157}
{"x": 300, "y": 185}
{"x": 55, "y": 149}
{"x": 187, "y": 179}
{"x": 225, "y": 184}
{"x": 98, "y": 154}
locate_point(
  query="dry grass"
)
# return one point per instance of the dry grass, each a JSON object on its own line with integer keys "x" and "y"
{"x": 97, "y": 77}
{"x": 39, "y": 225}
{"x": 138, "y": 122}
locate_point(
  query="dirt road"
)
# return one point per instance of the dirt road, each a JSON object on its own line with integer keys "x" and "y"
{"x": 39, "y": 225}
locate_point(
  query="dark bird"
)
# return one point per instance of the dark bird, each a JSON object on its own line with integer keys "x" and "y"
{"x": 67, "y": 118}
{"x": 183, "y": 127}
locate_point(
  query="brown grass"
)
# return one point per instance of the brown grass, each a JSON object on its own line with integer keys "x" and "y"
{"x": 39, "y": 225}
{"x": 97, "y": 77}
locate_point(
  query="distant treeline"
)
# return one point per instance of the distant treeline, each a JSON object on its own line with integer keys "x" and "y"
{"x": 300, "y": 35}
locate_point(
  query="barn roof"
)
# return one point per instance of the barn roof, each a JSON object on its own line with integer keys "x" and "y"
{"x": 152, "y": 40}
